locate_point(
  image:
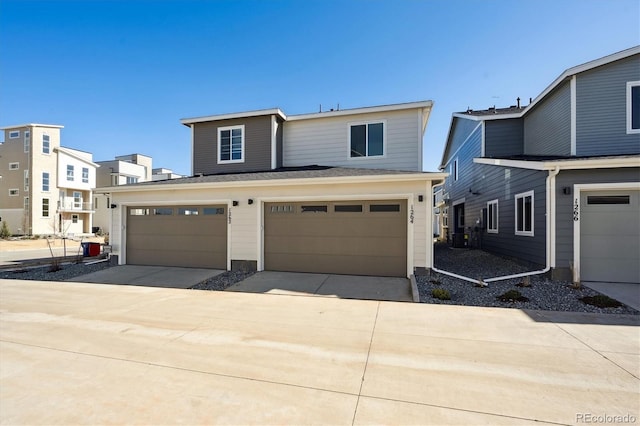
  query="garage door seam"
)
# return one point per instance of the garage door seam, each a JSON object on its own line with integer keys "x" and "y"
{"x": 366, "y": 364}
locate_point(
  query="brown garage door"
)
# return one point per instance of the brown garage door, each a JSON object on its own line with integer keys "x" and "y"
{"x": 346, "y": 237}
{"x": 189, "y": 236}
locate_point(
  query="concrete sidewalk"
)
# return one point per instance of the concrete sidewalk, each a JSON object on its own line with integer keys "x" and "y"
{"x": 75, "y": 353}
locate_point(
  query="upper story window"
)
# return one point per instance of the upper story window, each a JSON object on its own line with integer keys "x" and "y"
{"x": 27, "y": 140}
{"x": 524, "y": 213}
{"x": 454, "y": 170}
{"x": 14, "y": 192}
{"x": 70, "y": 172}
{"x": 492, "y": 217}
{"x": 231, "y": 144}
{"x": 14, "y": 166}
{"x": 85, "y": 175}
{"x": 46, "y": 144}
{"x": 14, "y": 134}
{"x": 366, "y": 140}
{"x": 132, "y": 179}
{"x": 633, "y": 107}
{"x": 45, "y": 181}
{"x": 26, "y": 180}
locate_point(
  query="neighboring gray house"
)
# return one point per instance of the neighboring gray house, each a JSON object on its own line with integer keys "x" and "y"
{"x": 556, "y": 183}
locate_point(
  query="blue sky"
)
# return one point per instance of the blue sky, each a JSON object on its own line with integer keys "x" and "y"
{"x": 119, "y": 75}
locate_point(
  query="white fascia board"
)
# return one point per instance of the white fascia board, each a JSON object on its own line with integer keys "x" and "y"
{"x": 412, "y": 177}
{"x": 70, "y": 153}
{"x": 256, "y": 113}
{"x": 425, "y": 105}
{"x": 577, "y": 164}
{"x": 52, "y": 126}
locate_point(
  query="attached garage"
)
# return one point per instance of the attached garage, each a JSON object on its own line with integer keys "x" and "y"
{"x": 342, "y": 237}
{"x": 187, "y": 236}
{"x": 610, "y": 236}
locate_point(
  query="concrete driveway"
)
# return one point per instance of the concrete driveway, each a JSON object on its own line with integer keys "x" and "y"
{"x": 153, "y": 276}
{"x": 75, "y": 353}
{"x": 342, "y": 286}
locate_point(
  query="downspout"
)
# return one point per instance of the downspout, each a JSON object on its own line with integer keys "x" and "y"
{"x": 550, "y": 222}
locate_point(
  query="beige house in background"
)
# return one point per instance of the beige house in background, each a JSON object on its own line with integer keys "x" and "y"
{"x": 44, "y": 188}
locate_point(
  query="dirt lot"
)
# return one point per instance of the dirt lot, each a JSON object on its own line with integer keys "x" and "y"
{"x": 41, "y": 243}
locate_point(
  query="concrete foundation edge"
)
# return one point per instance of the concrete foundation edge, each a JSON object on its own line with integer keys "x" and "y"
{"x": 414, "y": 289}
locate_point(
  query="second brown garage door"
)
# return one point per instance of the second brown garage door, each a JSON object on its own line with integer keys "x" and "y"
{"x": 346, "y": 237}
{"x": 188, "y": 236}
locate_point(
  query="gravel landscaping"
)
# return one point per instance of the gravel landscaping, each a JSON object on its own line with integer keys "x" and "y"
{"x": 42, "y": 273}
{"x": 542, "y": 294}
{"x": 222, "y": 281}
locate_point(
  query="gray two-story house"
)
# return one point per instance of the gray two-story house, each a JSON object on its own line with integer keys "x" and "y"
{"x": 333, "y": 192}
{"x": 555, "y": 184}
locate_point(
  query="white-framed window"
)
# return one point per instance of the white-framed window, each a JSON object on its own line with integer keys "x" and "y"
{"x": 14, "y": 166}
{"x": 45, "y": 207}
{"x": 77, "y": 200}
{"x": 231, "y": 144}
{"x": 27, "y": 140}
{"x": 132, "y": 179}
{"x": 492, "y": 217}
{"x": 367, "y": 139}
{"x": 85, "y": 175}
{"x": 74, "y": 218}
{"x": 26, "y": 180}
{"x": 445, "y": 217}
{"x": 45, "y": 181}
{"x": 26, "y": 204}
{"x": 633, "y": 107}
{"x": 70, "y": 172}
{"x": 524, "y": 213}
{"x": 14, "y": 192}
{"x": 14, "y": 134}
{"x": 46, "y": 144}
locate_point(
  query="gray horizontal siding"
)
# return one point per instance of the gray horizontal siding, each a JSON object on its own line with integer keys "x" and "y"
{"x": 257, "y": 148}
{"x": 466, "y": 167}
{"x": 601, "y": 126}
{"x": 461, "y": 130}
{"x": 504, "y": 184}
{"x": 547, "y": 128}
{"x": 504, "y": 137}
{"x": 564, "y": 203}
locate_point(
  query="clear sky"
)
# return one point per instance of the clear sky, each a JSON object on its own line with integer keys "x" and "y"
{"x": 119, "y": 75}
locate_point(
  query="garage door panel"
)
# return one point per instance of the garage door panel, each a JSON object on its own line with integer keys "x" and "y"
{"x": 339, "y": 264}
{"x": 610, "y": 236}
{"x": 358, "y": 243}
{"x": 178, "y": 240}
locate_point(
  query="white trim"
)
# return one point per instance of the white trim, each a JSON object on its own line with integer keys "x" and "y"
{"x": 421, "y": 129}
{"x": 274, "y": 142}
{"x": 53, "y": 126}
{"x": 70, "y": 152}
{"x": 483, "y": 134}
{"x": 409, "y": 197}
{"x": 366, "y": 125}
{"x": 218, "y": 117}
{"x": 408, "y": 177}
{"x": 364, "y": 110}
{"x": 630, "y": 130}
{"x": 574, "y": 114}
{"x": 569, "y": 164}
{"x": 497, "y": 215}
{"x": 242, "y": 141}
{"x": 524, "y": 195}
{"x": 577, "y": 193}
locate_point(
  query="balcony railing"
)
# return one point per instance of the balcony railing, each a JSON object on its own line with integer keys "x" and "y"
{"x": 71, "y": 205}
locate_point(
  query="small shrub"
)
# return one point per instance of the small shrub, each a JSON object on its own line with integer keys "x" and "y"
{"x": 441, "y": 294}
{"x": 4, "y": 231}
{"x": 512, "y": 296}
{"x": 601, "y": 301}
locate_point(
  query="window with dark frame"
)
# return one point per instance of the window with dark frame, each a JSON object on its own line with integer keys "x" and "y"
{"x": 367, "y": 140}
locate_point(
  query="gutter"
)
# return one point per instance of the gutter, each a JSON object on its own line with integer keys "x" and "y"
{"x": 550, "y": 235}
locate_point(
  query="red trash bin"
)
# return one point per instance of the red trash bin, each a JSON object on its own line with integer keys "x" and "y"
{"x": 94, "y": 249}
